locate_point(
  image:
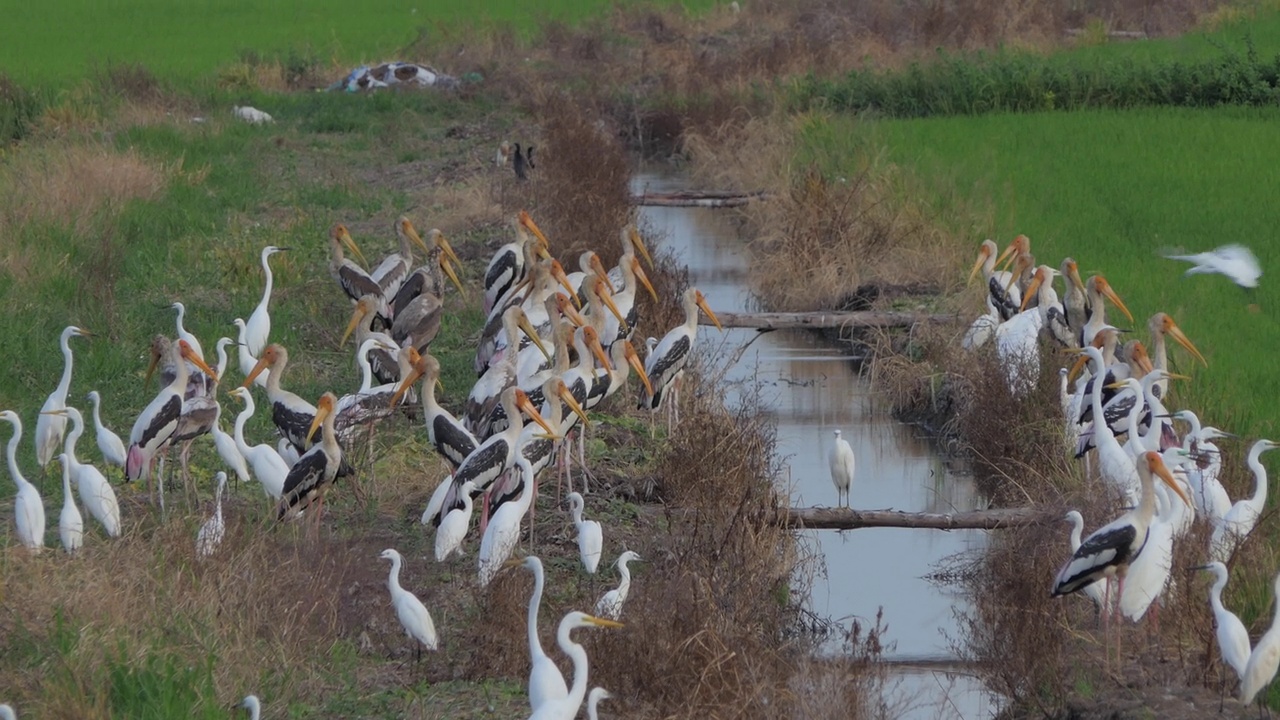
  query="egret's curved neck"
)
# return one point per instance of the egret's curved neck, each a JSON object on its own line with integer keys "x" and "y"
{"x": 1076, "y": 530}
{"x": 69, "y": 444}
{"x": 625, "y": 583}
{"x": 66, "y": 485}
{"x": 266, "y": 268}
{"x": 1259, "y": 477}
{"x": 64, "y": 384}
{"x": 1194, "y": 421}
{"x": 182, "y": 312}
{"x": 12, "y": 456}
{"x": 535, "y": 602}
{"x": 578, "y": 655}
{"x": 1215, "y": 593}
{"x": 577, "y": 514}
{"x": 1099, "y": 421}
{"x": 222, "y": 360}
{"x": 393, "y": 580}
{"x": 366, "y": 370}
{"x": 241, "y": 419}
{"x": 97, "y": 414}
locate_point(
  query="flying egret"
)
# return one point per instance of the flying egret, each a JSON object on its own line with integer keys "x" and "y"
{"x": 841, "y": 461}
{"x": 28, "y": 510}
{"x": 566, "y": 708}
{"x": 410, "y": 611}
{"x": 590, "y": 536}
{"x": 1235, "y": 261}
{"x": 50, "y": 428}
{"x": 70, "y": 523}
{"x": 210, "y": 535}
{"x": 610, "y": 604}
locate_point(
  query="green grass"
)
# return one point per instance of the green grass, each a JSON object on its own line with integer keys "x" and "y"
{"x": 193, "y": 40}
{"x": 1115, "y": 190}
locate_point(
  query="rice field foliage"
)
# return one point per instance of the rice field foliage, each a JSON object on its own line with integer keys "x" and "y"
{"x": 1238, "y": 65}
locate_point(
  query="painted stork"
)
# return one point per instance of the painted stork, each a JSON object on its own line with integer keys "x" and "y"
{"x": 502, "y": 375}
{"x": 291, "y": 414}
{"x": 50, "y": 427}
{"x": 632, "y": 244}
{"x": 1161, "y": 325}
{"x": 1075, "y": 302}
{"x": 671, "y": 355}
{"x": 310, "y": 477}
{"x": 1096, "y": 289}
{"x": 28, "y": 509}
{"x": 419, "y": 304}
{"x": 392, "y": 271}
{"x": 258, "y": 329}
{"x": 623, "y": 302}
{"x": 507, "y": 267}
{"x": 355, "y": 282}
{"x": 366, "y": 317}
{"x": 503, "y": 531}
{"x": 158, "y": 421}
{"x": 448, "y": 435}
{"x": 1004, "y": 302}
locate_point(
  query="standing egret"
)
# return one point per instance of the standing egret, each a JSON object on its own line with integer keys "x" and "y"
{"x": 841, "y": 461}
{"x": 1233, "y": 637}
{"x": 254, "y": 707}
{"x": 226, "y": 447}
{"x": 1265, "y": 658}
{"x": 28, "y": 510}
{"x": 590, "y": 536}
{"x": 593, "y": 699}
{"x": 411, "y": 612}
{"x": 50, "y": 428}
{"x": 6, "y": 712}
{"x": 610, "y": 605}
{"x": 545, "y": 681}
{"x": 210, "y": 535}
{"x": 109, "y": 443}
{"x": 566, "y": 708}
{"x": 247, "y": 359}
{"x": 1235, "y": 261}
{"x": 258, "y": 329}
{"x": 95, "y": 492}
{"x": 269, "y": 467}
{"x": 453, "y": 527}
{"x": 503, "y": 531}
{"x": 70, "y": 523}
{"x": 1243, "y": 516}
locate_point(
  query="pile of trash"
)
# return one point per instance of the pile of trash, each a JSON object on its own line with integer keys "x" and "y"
{"x": 395, "y": 74}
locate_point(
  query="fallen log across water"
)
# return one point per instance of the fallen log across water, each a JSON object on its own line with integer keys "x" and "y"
{"x": 817, "y": 320}
{"x": 698, "y": 198}
{"x": 846, "y": 519}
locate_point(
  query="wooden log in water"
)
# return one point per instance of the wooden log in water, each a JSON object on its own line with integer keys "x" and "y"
{"x": 698, "y": 198}
{"x": 819, "y": 320}
{"x": 846, "y": 519}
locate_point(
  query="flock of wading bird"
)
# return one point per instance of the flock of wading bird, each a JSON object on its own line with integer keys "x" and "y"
{"x": 553, "y": 347}
{"x": 1121, "y": 391}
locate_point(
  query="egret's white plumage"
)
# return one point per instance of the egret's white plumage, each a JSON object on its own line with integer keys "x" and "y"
{"x": 1243, "y": 516}
{"x": 109, "y": 443}
{"x": 269, "y": 468}
{"x": 1235, "y": 261}
{"x": 453, "y": 527}
{"x": 254, "y": 707}
{"x": 590, "y": 536}
{"x": 503, "y": 530}
{"x": 412, "y": 614}
{"x": 70, "y": 523}
{"x": 51, "y": 427}
{"x": 566, "y": 708}
{"x": 841, "y": 460}
{"x": 6, "y": 712}
{"x": 1233, "y": 637}
{"x": 211, "y": 533}
{"x": 610, "y": 604}
{"x": 95, "y": 492}
{"x": 258, "y": 329}
{"x": 247, "y": 359}
{"x": 227, "y": 448}
{"x": 593, "y": 699}
{"x": 545, "y": 681}
{"x": 28, "y": 510}
{"x": 1264, "y": 659}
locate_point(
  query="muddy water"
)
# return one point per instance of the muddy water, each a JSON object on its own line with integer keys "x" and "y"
{"x": 810, "y": 388}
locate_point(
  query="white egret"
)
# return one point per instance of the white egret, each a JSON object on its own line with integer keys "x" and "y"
{"x": 28, "y": 510}
{"x": 1233, "y": 637}
{"x": 1235, "y": 261}
{"x": 412, "y": 614}
{"x": 545, "y": 681}
{"x": 109, "y": 443}
{"x": 590, "y": 536}
{"x": 610, "y": 604}
{"x": 226, "y": 447}
{"x": 1264, "y": 659}
{"x": 1243, "y": 516}
{"x": 50, "y": 428}
{"x": 503, "y": 531}
{"x": 247, "y": 359}
{"x": 258, "y": 329}
{"x": 70, "y": 523}
{"x": 95, "y": 492}
{"x": 211, "y": 533}
{"x": 566, "y": 708}
{"x": 254, "y": 707}
{"x": 453, "y": 527}
{"x": 593, "y": 699}
{"x": 269, "y": 467}
{"x": 7, "y": 713}
{"x": 841, "y": 461}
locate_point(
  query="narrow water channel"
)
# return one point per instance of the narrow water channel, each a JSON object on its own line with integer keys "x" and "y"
{"x": 810, "y": 388}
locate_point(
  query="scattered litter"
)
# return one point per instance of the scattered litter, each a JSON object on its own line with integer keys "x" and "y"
{"x": 251, "y": 115}
{"x": 394, "y": 74}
